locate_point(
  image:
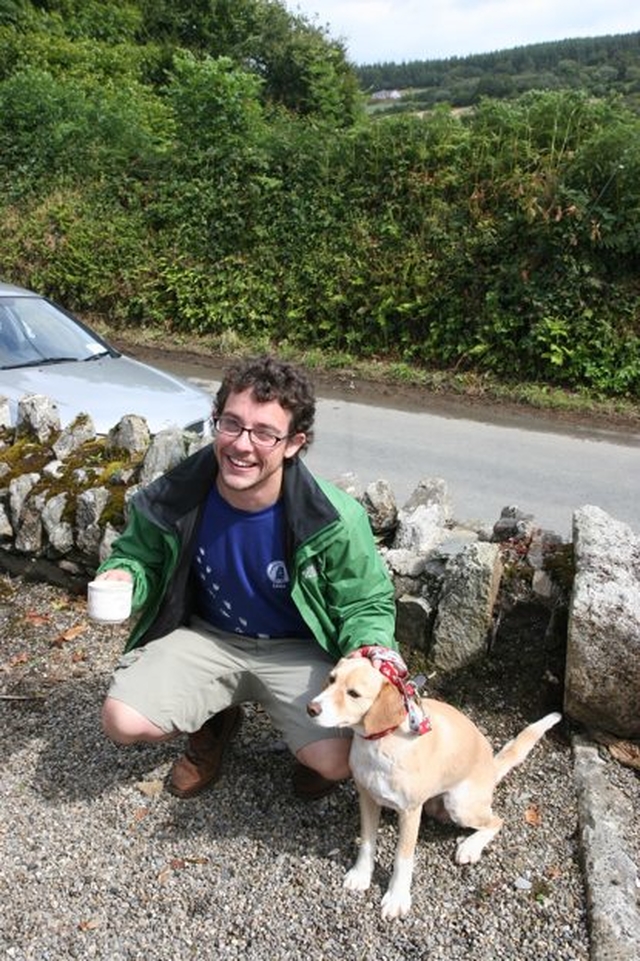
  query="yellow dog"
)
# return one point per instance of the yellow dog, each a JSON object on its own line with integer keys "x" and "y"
{"x": 408, "y": 751}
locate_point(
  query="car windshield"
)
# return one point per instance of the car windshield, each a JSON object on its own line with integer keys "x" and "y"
{"x": 33, "y": 331}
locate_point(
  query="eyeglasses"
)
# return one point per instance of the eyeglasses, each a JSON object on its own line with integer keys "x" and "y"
{"x": 260, "y": 436}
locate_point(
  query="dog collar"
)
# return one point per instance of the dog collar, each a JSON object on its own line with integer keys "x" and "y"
{"x": 391, "y": 665}
{"x": 379, "y": 734}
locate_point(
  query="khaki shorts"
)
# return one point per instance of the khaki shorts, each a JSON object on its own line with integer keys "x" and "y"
{"x": 179, "y": 681}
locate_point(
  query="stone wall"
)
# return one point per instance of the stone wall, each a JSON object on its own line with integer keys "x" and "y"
{"x": 64, "y": 496}
{"x": 603, "y": 640}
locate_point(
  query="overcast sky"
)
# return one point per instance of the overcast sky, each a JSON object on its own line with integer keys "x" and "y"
{"x": 376, "y": 31}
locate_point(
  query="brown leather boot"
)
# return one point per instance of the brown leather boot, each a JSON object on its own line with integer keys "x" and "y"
{"x": 310, "y": 785}
{"x": 200, "y": 764}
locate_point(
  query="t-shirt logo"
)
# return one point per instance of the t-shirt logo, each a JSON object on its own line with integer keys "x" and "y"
{"x": 278, "y": 574}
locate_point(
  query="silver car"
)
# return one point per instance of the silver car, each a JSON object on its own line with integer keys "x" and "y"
{"x": 44, "y": 350}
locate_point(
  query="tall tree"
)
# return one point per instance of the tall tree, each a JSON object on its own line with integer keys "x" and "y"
{"x": 301, "y": 67}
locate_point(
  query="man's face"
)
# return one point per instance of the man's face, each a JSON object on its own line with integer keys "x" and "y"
{"x": 250, "y": 475}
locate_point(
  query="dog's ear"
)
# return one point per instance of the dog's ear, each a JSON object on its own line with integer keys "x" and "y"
{"x": 387, "y": 711}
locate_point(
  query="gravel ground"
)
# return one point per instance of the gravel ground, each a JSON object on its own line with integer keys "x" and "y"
{"x": 98, "y": 861}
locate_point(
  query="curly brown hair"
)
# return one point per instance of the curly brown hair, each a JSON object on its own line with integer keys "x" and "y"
{"x": 271, "y": 379}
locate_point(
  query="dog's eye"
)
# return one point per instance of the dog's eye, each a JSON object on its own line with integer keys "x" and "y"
{"x": 330, "y": 680}
{"x": 353, "y": 693}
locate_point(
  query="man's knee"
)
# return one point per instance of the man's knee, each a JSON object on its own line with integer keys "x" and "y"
{"x": 329, "y": 757}
{"x": 124, "y": 725}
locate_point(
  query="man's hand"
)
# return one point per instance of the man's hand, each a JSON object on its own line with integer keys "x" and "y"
{"x": 115, "y": 575}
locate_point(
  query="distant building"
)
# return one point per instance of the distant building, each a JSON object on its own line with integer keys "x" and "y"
{"x": 386, "y": 95}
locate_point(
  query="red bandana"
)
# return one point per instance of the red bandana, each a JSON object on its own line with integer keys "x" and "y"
{"x": 391, "y": 665}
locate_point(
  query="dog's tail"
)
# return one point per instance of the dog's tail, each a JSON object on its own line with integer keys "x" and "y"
{"x": 515, "y": 751}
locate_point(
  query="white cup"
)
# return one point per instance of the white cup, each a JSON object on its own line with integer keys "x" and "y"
{"x": 109, "y": 601}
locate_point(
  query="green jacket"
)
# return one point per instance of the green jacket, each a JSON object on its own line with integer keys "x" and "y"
{"x": 338, "y": 580}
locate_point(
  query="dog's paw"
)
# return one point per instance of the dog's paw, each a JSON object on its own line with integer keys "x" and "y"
{"x": 395, "y": 905}
{"x": 357, "y": 879}
{"x": 469, "y": 849}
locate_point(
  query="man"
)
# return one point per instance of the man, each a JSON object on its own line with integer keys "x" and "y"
{"x": 251, "y": 578}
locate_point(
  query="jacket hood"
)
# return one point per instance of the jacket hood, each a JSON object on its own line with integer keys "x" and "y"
{"x": 185, "y": 487}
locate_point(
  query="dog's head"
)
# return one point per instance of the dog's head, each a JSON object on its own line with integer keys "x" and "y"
{"x": 357, "y": 695}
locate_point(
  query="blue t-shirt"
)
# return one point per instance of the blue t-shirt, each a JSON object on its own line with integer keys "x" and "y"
{"x": 239, "y": 565}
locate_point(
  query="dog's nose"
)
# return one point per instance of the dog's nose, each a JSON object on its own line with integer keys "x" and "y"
{"x": 313, "y": 709}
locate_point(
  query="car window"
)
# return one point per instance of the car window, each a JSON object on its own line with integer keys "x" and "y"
{"x": 31, "y": 329}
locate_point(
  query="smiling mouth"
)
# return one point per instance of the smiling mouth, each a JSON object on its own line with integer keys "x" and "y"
{"x": 240, "y": 464}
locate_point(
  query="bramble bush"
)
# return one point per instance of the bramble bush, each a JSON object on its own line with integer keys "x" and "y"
{"x": 173, "y": 187}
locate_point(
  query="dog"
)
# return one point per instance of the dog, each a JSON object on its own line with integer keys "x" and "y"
{"x": 409, "y": 752}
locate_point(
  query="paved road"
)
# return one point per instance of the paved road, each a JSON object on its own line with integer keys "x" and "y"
{"x": 486, "y": 466}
